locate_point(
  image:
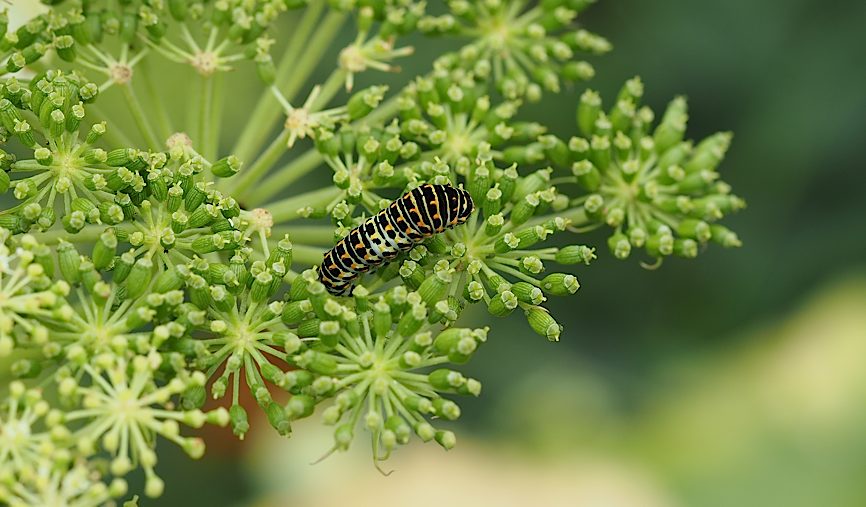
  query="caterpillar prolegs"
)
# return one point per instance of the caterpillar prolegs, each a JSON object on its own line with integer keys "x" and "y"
{"x": 411, "y": 219}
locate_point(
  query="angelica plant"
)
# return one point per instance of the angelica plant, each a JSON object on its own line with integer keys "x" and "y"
{"x": 155, "y": 253}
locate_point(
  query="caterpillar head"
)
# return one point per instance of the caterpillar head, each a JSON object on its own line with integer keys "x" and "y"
{"x": 461, "y": 205}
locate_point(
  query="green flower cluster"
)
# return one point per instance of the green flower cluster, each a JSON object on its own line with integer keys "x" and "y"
{"x": 148, "y": 264}
{"x": 381, "y": 358}
{"x": 642, "y": 178}
{"x": 103, "y": 340}
{"x": 523, "y": 47}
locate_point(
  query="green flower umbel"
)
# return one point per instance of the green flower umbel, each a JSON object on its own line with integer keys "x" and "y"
{"x": 26, "y": 291}
{"x": 122, "y": 409}
{"x": 655, "y": 189}
{"x": 78, "y": 483}
{"x": 498, "y": 257}
{"x": 386, "y": 367}
{"x": 523, "y": 47}
{"x": 450, "y": 115}
{"x": 67, "y": 176}
{"x": 237, "y": 332}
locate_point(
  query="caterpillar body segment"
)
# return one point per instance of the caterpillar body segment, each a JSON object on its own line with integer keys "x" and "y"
{"x": 416, "y": 216}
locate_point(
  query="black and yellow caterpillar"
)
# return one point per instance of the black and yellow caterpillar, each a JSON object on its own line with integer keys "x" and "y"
{"x": 414, "y": 217}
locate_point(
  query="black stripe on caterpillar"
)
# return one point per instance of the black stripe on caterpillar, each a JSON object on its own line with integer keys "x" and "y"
{"x": 417, "y": 215}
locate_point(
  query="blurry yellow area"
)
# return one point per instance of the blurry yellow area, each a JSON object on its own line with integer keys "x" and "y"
{"x": 22, "y": 10}
{"x": 776, "y": 420}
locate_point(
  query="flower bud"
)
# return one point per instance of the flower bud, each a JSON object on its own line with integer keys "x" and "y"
{"x": 493, "y": 225}
{"x": 687, "y": 248}
{"x": 295, "y": 312}
{"x": 412, "y": 320}
{"x": 262, "y": 286}
{"x": 266, "y": 69}
{"x": 435, "y": 287}
{"x": 542, "y": 323}
{"x": 139, "y": 277}
{"x": 560, "y": 284}
{"x": 239, "y": 421}
{"x": 226, "y": 167}
{"x": 660, "y": 244}
{"x": 587, "y": 111}
{"x": 70, "y": 261}
{"x": 364, "y": 101}
{"x": 695, "y": 229}
{"x": 524, "y": 209}
{"x": 447, "y": 408}
{"x": 319, "y": 362}
{"x": 527, "y": 293}
{"x": 445, "y": 379}
{"x": 446, "y": 439}
{"x": 724, "y": 236}
{"x": 587, "y": 175}
{"x": 575, "y": 254}
{"x": 502, "y": 304}
{"x": 300, "y": 406}
{"x": 104, "y": 249}
{"x": 619, "y": 245}
{"x": 672, "y": 127}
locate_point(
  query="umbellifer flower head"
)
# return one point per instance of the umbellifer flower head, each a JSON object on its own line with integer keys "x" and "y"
{"x": 385, "y": 366}
{"x": 652, "y": 187}
{"x": 121, "y": 409}
{"x": 523, "y": 47}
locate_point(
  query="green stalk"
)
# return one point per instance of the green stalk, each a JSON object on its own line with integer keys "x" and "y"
{"x": 155, "y": 103}
{"x": 294, "y": 70}
{"x": 309, "y": 234}
{"x": 114, "y": 135}
{"x": 386, "y": 110}
{"x": 301, "y": 32}
{"x": 204, "y": 117}
{"x": 332, "y": 85}
{"x": 286, "y": 175}
{"x": 287, "y": 209}
{"x": 238, "y": 185}
{"x": 307, "y": 255}
{"x": 576, "y": 215}
{"x": 139, "y": 116}
{"x": 300, "y": 166}
{"x": 87, "y": 234}
{"x": 217, "y": 102}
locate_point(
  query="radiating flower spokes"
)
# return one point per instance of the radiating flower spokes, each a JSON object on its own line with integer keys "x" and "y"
{"x": 123, "y": 409}
{"x": 77, "y": 484}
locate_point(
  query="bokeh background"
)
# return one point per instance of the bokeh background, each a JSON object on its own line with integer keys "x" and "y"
{"x": 737, "y": 379}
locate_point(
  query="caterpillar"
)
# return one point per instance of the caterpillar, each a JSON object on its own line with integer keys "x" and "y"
{"x": 417, "y": 215}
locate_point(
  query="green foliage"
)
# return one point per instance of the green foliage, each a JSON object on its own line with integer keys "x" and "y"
{"x": 146, "y": 269}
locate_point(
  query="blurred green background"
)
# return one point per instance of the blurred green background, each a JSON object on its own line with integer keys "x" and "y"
{"x": 733, "y": 380}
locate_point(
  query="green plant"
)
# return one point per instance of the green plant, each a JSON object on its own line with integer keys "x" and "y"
{"x": 147, "y": 264}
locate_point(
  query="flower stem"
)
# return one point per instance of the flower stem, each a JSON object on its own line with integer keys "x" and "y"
{"x": 287, "y": 209}
{"x": 577, "y": 216}
{"x": 238, "y": 185}
{"x": 295, "y": 67}
{"x": 333, "y": 85}
{"x": 302, "y": 165}
{"x": 385, "y": 111}
{"x": 307, "y": 255}
{"x": 87, "y": 234}
{"x": 156, "y": 104}
{"x": 139, "y": 116}
{"x": 310, "y": 234}
{"x": 205, "y": 126}
{"x": 286, "y": 175}
{"x": 217, "y": 103}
